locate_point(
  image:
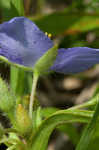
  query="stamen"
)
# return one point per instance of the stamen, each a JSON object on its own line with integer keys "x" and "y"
{"x": 48, "y": 34}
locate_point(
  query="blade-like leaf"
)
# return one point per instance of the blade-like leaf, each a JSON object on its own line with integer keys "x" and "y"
{"x": 40, "y": 139}
{"x": 11, "y": 8}
{"x": 17, "y": 78}
{"x": 90, "y": 132}
{"x": 5, "y": 8}
{"x": 68, "y": 129}
{"x": 18, "y": 5}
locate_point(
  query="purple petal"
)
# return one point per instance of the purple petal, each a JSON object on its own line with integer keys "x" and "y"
{"x": 22, "y": 42}
{"x": 74, "y": 60}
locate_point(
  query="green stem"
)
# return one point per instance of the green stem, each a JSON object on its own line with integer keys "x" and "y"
{"x": 34, "y": 84}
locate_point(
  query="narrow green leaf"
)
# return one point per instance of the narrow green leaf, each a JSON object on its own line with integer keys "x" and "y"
{"x": 11, "y": 8}
{"x": 14, "y": 78}
{"x": 68, "y": 129}
{"x": 37, "y": 118}
{"x": 17, "y": 80}
{"x": 5, "y": 6}
{"x": 47, "y": 112}
{"x": 90, "y": 131}
{"x": 18, "y": 5}
{"x": 40, "y": 139}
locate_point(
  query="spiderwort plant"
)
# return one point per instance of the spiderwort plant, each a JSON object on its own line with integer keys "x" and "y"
{"x": 23, "y": 44}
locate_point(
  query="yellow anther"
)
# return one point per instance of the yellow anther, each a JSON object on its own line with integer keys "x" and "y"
{"x": 48, "y": 34}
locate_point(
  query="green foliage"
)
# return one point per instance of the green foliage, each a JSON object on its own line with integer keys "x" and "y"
{"x": 17, "y": 78}
{"x": 46, "y": 61}
{"x": 40, "y": 138}
{"x": 18, "y": 6}
{"x": 68, "y": 129}
{"x": 37, "y": 118}
{"x": 11, "y": 8}
{"x": 6, "y": 10}
{"x": 7, "y": 99}
{"x": 68, "y": 23}
{"x": 91, "y": 133}
{"x": 23, "y": 122}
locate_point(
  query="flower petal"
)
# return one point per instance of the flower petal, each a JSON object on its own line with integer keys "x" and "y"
{"x": 22, "y": 42}
{"x": 74, "y": 60}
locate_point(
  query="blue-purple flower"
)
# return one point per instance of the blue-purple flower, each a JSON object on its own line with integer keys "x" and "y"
{"x": 23, "y": 43}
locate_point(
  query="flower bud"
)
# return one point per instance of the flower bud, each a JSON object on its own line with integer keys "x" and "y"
{"x": 23, "y": 122}
{"x": 7, "y": 100}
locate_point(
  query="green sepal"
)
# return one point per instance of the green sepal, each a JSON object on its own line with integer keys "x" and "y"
{"x": 46, "y": 61}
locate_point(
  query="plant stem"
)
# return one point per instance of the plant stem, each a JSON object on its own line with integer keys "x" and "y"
{"x": 34, "y": 84}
